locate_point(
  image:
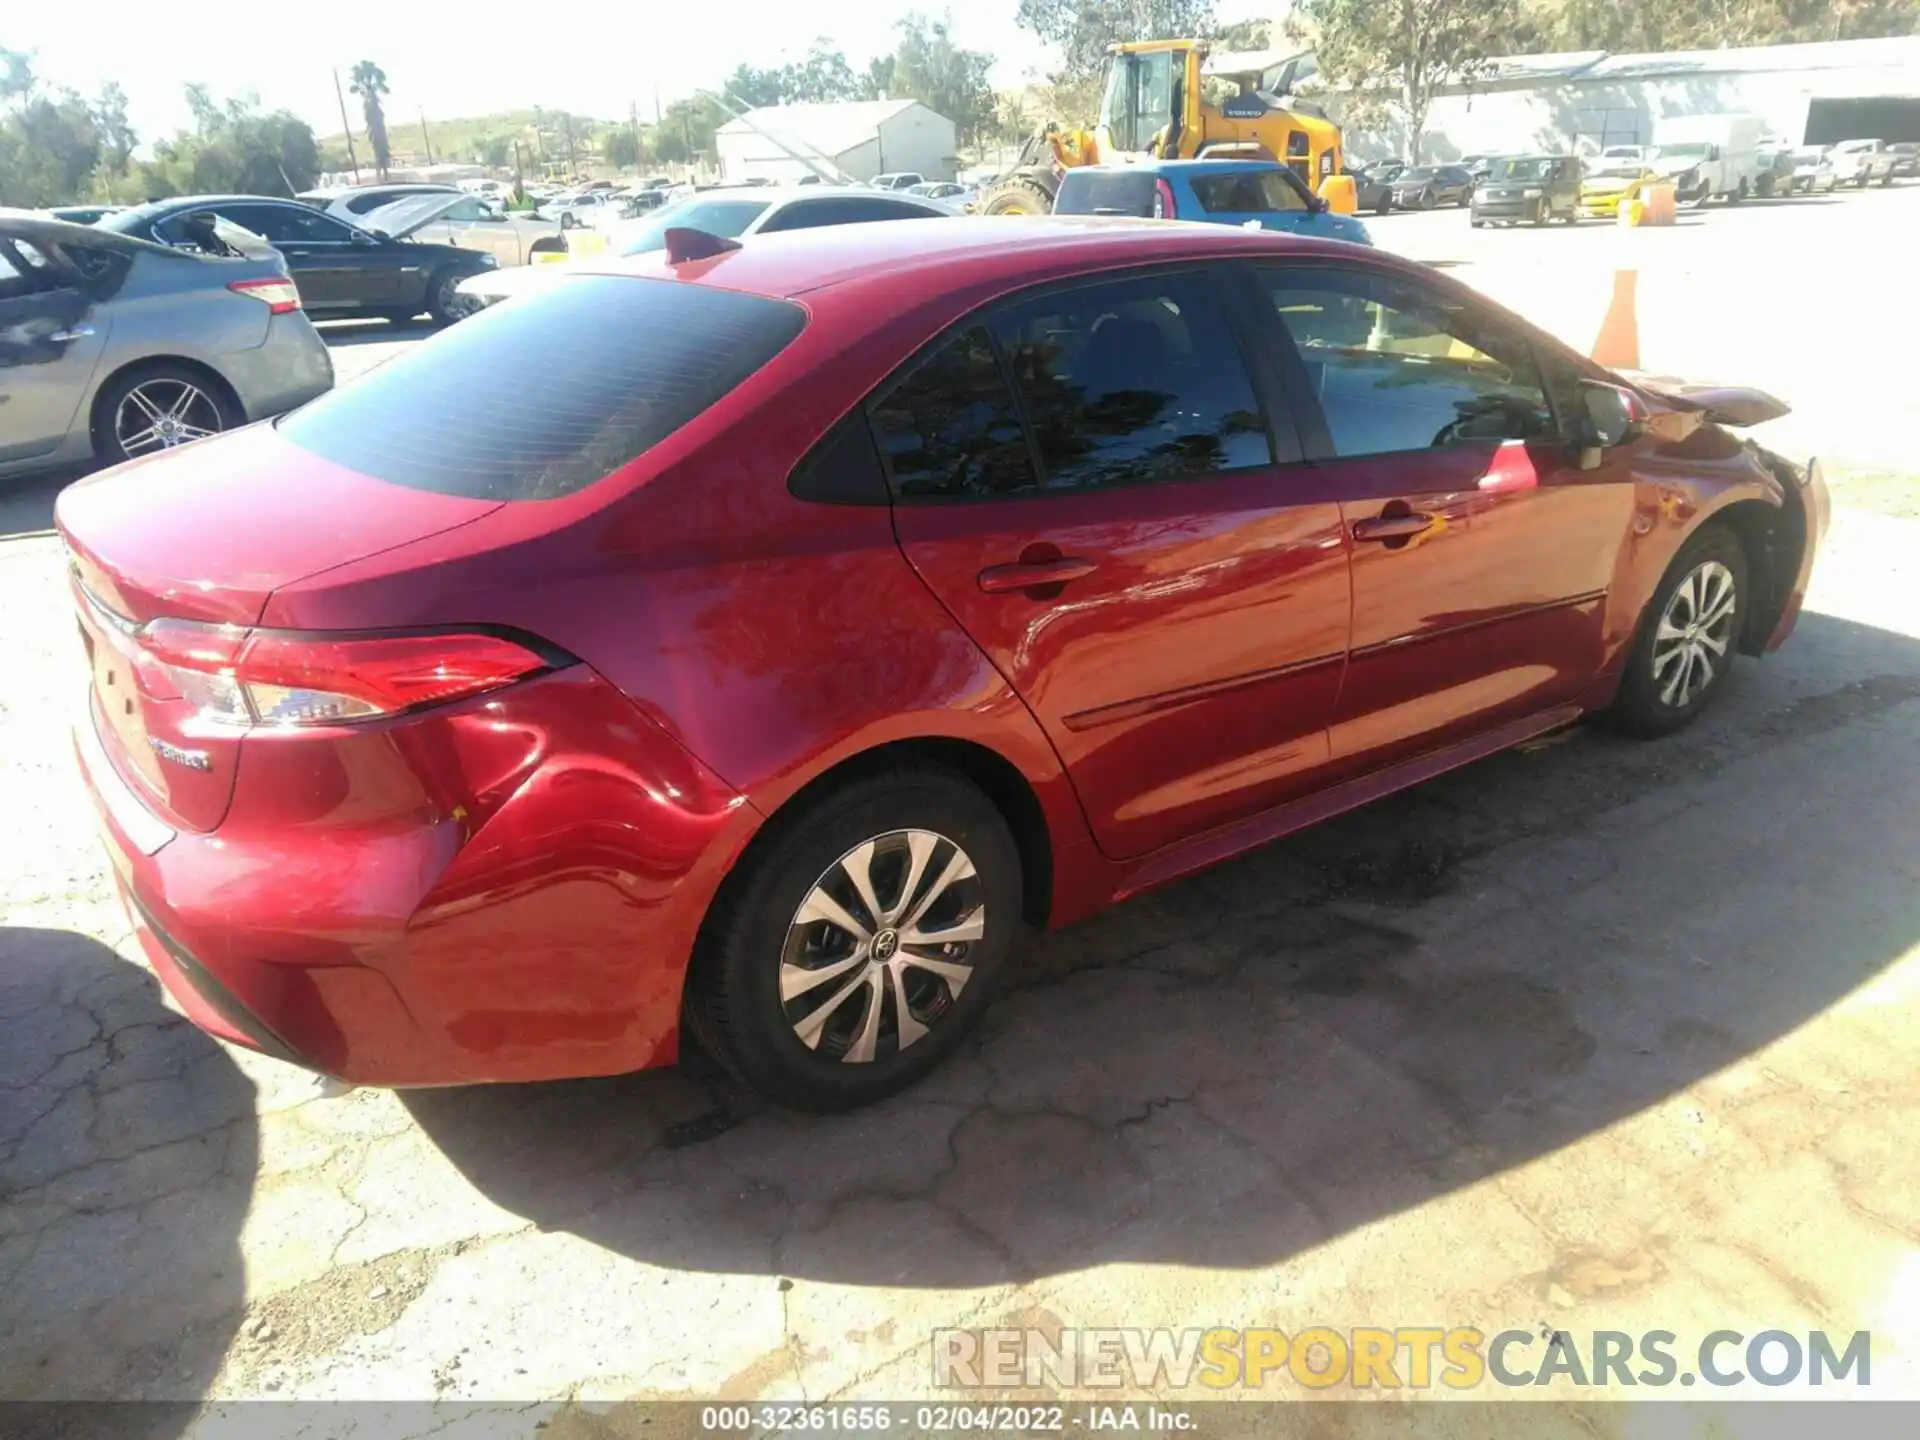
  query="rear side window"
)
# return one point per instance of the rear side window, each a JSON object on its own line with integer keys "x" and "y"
{"x": 1114, "y": 194}
{"x": 1249, "y": 192}
{"x": 949, "y": 428}
{"x": 1132, "y": 382}
{"x": 545, "y": 396}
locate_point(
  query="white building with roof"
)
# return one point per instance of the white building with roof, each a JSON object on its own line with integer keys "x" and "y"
{"x": 861, "y": 138}
{"x": 1810, "y": 94}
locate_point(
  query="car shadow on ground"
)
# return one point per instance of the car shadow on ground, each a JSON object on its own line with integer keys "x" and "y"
{"x": 128, "y": 1146}
{"x": 1341, "y": 1026}
{"x": 26, "y": 504}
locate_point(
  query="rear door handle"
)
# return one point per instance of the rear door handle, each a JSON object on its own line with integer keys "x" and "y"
{"x": 1033, "y": 574}
{"x": 1392, "y": 527}
{"x": 78, "y": 332}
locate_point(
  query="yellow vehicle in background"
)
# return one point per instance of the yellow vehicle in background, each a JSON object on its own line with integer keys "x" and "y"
{"x": 1177, "y": 100}
{"x": 1612, "y": 183}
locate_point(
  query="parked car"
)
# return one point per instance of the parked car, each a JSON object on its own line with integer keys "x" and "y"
{"x": 341, "y": 269}
{"x": 1906, "y": 157}
{"x": 464, "y": 221}
{"x": 1861, "y": 163}
{"x": 1530, "y": 188}
{"x": 898, "y": 180}
{"x": 582, "y": 207}
{"x": 938, "y": 190}
{"x": 112, "y": 347}
{"x": 1813, "y": 169}
{"x": 729, "y": 214}
{"x": 765, "y": 689}
{"x": 353, "y": 201}
{"x": 1609, "y": 183}
{"x": 1372, "y": 190}
{"x": 83, "y": 214}
{"x": 1480, "y": 166}
{"x": 1253, "y": 194}
{"x": 1624, "y": 152}
{"x": 1774, "y": 169}
{"x": 1422, "y": 187}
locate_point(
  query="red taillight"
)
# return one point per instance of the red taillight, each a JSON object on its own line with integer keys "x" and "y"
{"x": 279, "y": 296}
{"x": 1163, "y": 206}
{"x": 281, "y": 677}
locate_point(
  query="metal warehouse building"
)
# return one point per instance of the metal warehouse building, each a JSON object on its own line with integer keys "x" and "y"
{"x": 863, "y": 138}
{"x": 1806, "y": 94}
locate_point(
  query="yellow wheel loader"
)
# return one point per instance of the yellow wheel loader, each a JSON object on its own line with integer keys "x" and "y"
{"x": 1177, "y": 99}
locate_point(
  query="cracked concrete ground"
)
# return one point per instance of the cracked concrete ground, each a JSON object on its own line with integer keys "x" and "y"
{"x": 1594, "y": 1035}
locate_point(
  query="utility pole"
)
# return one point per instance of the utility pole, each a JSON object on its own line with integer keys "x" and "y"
{"x": 341, "y": 96}
{"x": 573, "y": 156}
{"x": 426, "y": 139}
{"x": 633, "y": 124}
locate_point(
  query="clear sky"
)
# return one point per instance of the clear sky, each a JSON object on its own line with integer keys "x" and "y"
{"x": 593, "y": 57}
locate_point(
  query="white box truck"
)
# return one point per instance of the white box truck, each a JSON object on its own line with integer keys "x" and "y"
{"x": 1708, "y": 155}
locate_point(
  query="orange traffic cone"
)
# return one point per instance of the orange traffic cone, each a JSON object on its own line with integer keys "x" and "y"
{"x": 1618, "y": 344}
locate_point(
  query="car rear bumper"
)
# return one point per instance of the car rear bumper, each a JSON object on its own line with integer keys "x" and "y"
{"x": 539, "y": 930}
{"x": 1508, "y": 209}
{"x": 285, "y": 371}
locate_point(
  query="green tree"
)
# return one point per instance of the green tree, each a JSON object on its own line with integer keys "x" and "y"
{"x": 621, "y": 148}
{"x": 948, "y": 80}
{"x": 1647, "y": 25}
{"x": 879, "y": 82}
{"x": 50, "y": 143}
{"x": 1083, "y": 29}
{"x": 755, "y": 88}
{"x": 370, "y": 83}
{"x": 822, "y": 76}
{"x": 1397, "y": 53}
{"x": 497, "y": 151}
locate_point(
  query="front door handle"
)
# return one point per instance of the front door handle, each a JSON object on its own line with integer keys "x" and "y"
{"x": 1392, "y": 527}
{"x": 1033, "y": 574}
{"x": 78, "y": 332}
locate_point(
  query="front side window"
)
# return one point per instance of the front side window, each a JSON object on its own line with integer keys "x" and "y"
{"x": 1133, "y": 381}
{"x": 1398, "y": 367}
{"x": 948, "y": 427}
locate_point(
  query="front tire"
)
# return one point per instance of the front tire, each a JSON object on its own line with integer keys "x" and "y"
{"x": 445, "y": 303}
{"x": 1688, "y": 636}
{"x": 862, "y": 944}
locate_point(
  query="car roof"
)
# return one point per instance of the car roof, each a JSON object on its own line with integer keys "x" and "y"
{"x": 38, "y": 225}
{"x": 1176, "y": 167}
{"x": 954, "y": 252}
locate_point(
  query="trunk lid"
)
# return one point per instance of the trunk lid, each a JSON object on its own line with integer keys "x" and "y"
{"x": 207, "y": 536}
{"x": 1738, "y": 405}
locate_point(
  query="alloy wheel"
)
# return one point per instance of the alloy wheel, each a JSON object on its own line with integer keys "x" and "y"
{"x": 880, "y": 948}
{"x": 160, "y": 414}
{"x": 1691, "y": 642}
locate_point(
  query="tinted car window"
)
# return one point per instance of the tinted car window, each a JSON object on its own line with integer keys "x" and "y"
{"x": 948, "y": 426}
{"x": 1397, "y": 367}
{"x": 1132, "y": 381}
{"x": 1121, "y": 194}
{"x": 513, "y": 405}
{"x": 285, "y": 224}
{"x": 1249, "y": 192}
{"x": 850, "y": 210}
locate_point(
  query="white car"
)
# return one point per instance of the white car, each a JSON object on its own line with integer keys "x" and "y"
{"x": 732, "y": 214}
{"x": 580, "y": 208}
{"x": 1813, "y": 169}
{"x": 1861, "y": 162}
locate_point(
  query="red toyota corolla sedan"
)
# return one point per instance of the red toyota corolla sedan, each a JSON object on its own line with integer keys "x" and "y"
{"x": 753, "y": 639}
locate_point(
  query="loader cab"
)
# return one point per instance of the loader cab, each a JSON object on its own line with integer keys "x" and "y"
{"x": 1176, "y": 99}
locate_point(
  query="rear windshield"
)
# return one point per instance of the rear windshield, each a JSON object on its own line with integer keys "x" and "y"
{"x": 543, "y": 396}
{"x": 1125, "y": 194}
{"x": 1249, "y": 192}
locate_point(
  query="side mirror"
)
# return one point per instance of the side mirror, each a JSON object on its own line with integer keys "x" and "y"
{"x": 1609, "y": 415}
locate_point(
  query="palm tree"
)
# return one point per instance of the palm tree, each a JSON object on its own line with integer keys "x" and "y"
{"x": 370, "y": 83}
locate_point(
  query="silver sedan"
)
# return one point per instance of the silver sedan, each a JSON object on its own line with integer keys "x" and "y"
{"x": 112, "y": 348}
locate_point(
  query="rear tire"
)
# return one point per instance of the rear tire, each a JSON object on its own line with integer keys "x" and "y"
{"x": 879, "y": 1015}
{"x": 1674, "y": 670}
{"x": 160, "y": 407}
